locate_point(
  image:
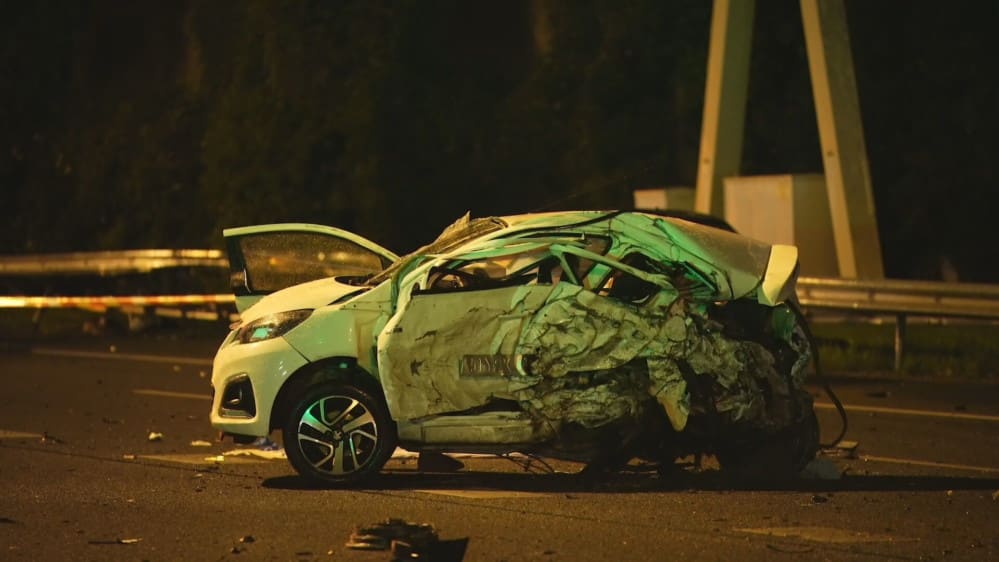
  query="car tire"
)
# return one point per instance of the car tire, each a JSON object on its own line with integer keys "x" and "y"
{"x": 338, "y": 434}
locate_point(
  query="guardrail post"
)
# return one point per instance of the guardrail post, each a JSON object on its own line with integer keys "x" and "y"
{"x": 899, "y": 341}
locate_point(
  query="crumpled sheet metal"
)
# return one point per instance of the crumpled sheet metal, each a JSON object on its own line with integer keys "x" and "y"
{"x": 542, "y": 359}
{"x": 578, "y": 331}
{"x": 426, "y": 352}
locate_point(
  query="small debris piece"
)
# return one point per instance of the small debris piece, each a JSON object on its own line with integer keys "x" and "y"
{"x": 401, "y": 536}
{"x": 819, "y": 499}
{"x": 51, "y": 439}
{"x": 950, "y": 493}
{"x": 271, "y": 455}
{"x": 128, "y": 457}
{"x": 116, "y": 541}
{"x": 200, "y": 443}
{"x": 155, "y": 436}
{"x": 247, "y": 539}
{"x": 265, "y": 444}
{"x": 217, "y": 459}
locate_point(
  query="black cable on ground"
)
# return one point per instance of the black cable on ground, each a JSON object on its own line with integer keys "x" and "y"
{"x": 821, "y": 377}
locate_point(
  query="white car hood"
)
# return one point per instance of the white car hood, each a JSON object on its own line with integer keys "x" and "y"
{"x": 313, "y": 294}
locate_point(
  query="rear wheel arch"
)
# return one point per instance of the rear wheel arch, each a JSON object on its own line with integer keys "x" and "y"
{"x": 332, "y": 369}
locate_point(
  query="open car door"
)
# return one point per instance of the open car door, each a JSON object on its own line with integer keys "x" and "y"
{"x": 267, "y": 258}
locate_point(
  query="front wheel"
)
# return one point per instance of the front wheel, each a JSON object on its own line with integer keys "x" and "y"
{"x": 339, "y": 434}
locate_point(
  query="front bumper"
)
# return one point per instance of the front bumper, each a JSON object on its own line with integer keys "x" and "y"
{"x": 246, "y": 379}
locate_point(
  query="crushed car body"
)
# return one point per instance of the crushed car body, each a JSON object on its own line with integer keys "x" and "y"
{"x": 591, "y": 336}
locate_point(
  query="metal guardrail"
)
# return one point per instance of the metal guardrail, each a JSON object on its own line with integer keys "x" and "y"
{"x": 900, "y": 299}
{"x": 916, "y": 298}
{"x": 108, "y": 263}
{"x": 897, "y": 298}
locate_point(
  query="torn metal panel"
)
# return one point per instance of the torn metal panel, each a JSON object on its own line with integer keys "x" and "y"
{"x": 577, "y": 331}
{"x": 431, "y": 354}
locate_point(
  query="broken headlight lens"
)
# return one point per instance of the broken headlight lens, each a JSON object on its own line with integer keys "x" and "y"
{"x": 271, "y": 326}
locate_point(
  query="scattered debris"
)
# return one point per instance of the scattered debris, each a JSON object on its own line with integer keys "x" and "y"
{"x": 51, "y": 439}
{"x": 265, "y": 444}
{"x": 843, "y": 449}
{"x": 408, "y": 541}
{"x": 155, "y": 436}
{"x": 200, "y": 443}
{"x": 270, "y": 455}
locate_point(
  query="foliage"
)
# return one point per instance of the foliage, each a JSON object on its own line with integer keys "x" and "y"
{"x": 156, "y": 125}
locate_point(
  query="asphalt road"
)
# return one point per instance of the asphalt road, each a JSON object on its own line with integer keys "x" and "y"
{"x": 83, "y": 481}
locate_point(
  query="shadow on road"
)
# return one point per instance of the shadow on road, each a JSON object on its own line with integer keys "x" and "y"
{"x": 639, "y": 483}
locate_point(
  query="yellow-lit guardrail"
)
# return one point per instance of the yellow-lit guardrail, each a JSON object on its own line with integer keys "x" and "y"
{"x": 108, "y": 263}
{"x": 897, "y": 298}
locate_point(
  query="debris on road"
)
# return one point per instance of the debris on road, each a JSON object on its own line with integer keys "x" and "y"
{"x": 116, "y": 541}
{"x": 128, "y": 457}
{"x": 269, "y": 455}
{"x": 155, "y": 436}
{"x": 247, "y": 539}
{"x": 820, "y": 499}
{"x": 407, "y": 540}
{"x": 200, "y": 443}
{"x": 843, "y": 449}
{"x": 217, "y": 459}
{"x": 51, "y": 439}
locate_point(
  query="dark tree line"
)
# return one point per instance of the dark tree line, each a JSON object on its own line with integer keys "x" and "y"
{"x": 126, "y": 125}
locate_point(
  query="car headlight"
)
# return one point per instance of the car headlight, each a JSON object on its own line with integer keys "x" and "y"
{"x": 271, "y": 326}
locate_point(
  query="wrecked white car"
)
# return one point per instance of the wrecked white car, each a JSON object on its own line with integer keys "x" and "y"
{"x": 592, "y": 336}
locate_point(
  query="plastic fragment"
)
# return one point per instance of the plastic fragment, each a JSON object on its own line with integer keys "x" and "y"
{"x": 406, "y": 539}
{"x": 200, "y": 443}
{"x": 155, "y": 436}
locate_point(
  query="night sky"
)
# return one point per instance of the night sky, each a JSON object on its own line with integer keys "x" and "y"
{"x": 156, "y": 125}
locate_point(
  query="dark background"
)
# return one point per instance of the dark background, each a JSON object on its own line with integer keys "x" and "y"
{"x": 139, "y": 125}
